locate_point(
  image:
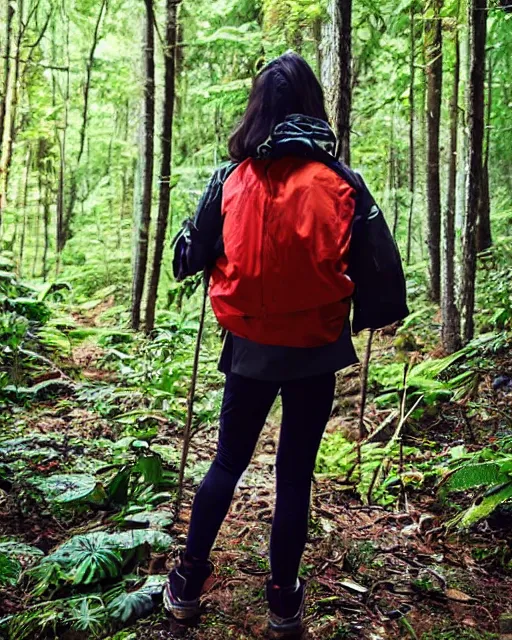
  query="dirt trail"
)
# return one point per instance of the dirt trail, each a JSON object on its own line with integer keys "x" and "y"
{"x": 372, "y": 574}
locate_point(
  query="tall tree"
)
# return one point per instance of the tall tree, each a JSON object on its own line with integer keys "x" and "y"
{"x": 344, "y": 101}
{"x": 450, "y": 313}
{"x": 142, "y": 239}
{"x": 61, "y": 133}
{"x": 4, "y": 99}
{"x": 166, "y": 158}
{"x": 9, "y": 9}
{"x": 476, "y": 108}
{"x": 24, "y": 205}
{"x": 73, "y": 186}
{"x": 412, "y": 154}
{"x": 434, "y": 51}
{"x": 484, "y": 234}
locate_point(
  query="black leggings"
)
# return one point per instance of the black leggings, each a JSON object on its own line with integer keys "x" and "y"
{"x": 307, "y": 405}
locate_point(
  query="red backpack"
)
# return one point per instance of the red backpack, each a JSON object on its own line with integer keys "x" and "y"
{"x": 286, "y": 229}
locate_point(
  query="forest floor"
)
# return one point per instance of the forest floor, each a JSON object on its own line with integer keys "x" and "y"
{"x": 372, "y": 573}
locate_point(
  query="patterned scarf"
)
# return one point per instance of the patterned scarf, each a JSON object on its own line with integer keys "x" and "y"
{"x": 299, "y": 135}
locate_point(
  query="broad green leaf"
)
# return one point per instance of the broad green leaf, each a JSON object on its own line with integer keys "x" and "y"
{"x": 484, "y": 507}
{"x": 150, "y": 466}
{"x": 128, "y": 540}
{"x": 158, "y": 519}
{"x": 117, "y": 489}
{"x": 66, "y": 488}
{"x": 88, "y": 558}
{"x": 473, "y": 475}
{"x": 135, "y": 604}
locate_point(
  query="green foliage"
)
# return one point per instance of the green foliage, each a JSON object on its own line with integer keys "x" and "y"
{"x": 471, "y": 476}
{"x": 489, "y": 468}
{"x": 10, "y": 570}
{"x": 493, "y": 291}
{"x": 86, "y": 559}
{"x": 129, "y": 605}
{"x": 67, "y": 488}
{"x": 372, "y": 483}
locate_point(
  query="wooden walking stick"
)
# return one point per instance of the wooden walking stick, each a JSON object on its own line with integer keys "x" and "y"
{"x": 364, "y": 391}
{"x": 190, "y": 408}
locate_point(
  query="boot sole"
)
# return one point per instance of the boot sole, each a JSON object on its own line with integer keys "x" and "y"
{"x": 295, "y": 633}
{"x": 180, "y": 612}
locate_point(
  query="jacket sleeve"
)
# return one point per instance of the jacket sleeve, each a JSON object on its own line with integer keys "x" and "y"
{"x": 199, "y": 243}
{"x": 380, "y": 295}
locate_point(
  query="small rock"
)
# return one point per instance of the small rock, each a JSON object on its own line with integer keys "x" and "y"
{"x": 502, "y": 381}
{"x": 353, "y": 586}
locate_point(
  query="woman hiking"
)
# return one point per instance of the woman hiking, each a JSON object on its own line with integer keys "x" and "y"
{"x": 290, "y": 239}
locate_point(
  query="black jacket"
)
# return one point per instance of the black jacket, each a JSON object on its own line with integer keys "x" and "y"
{"x": 374, "y": 263}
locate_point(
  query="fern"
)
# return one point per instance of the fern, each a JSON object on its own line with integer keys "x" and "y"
{"x": 87, "y": 614}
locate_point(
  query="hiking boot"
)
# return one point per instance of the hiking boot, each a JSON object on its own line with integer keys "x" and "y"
{"x": 184, "y": 587}
{"x": 286, "y": 609}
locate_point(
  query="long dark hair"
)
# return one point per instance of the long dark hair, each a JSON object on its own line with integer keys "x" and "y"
{"x": 284, "y": 86}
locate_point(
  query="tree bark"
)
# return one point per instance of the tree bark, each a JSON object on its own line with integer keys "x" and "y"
{"x": 484, "y": 234}
{"x": 478, "y": 28}
{"x": 141, "y": 250}
{"x": 412, "y": 155}
{"x": 7, "y": 68}
{"x": 344, "y": 103}
{"x": 166, "y": 159}
{"x": 9, "y": 103}
{"x": 434, "y": 37}
{"x": 450, "y": 313}
{"x": 62, "y": 142}
{"x": 25, "y": 211}
{"x": 46, "y": 222}
{"x": 463, "y": 163}
{"x": 317, "y": 37}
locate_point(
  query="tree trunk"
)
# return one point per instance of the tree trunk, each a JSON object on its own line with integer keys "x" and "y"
{"x": 62, "y": 142}
{"x": 37, "y": 227}
{"x": 463, "y": 162}
{"x": 450, "y": 313}
{"x": 7, "y": 67}
{"x": 141, "y": 251}
{"x": 166, "y": 160}
{"x": 73, "y": 182}
{"x": 484, "y": 235}
{"x": 344, "y": 103}
{"x": 478, "y": 27}
{"x": 317, "y": 37}
{"x": 25, "y": 211}
{"x": 433, "y": 32}
{"x": 330, "y": 69}
{"x": 9, "y": 104}
{"x": 46, "y": 222}
{"x": 412, "y": 157}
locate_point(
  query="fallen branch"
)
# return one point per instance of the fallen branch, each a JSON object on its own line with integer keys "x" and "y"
{"x": 38, "y": 356}
{"x": 389, "y": 449}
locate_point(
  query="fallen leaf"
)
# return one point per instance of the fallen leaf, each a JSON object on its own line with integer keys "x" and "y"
{"x": 353, "y": 586}
{"x": 458, "y": 596}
